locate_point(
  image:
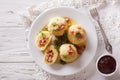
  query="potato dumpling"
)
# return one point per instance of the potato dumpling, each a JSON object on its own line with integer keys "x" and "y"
{"x": 77, "y": 35}
{"x": 50, "y": 55}
{"x": 43, "y": 39}
{"x": 68, "y": 53}
{"x": 57, "y": 26}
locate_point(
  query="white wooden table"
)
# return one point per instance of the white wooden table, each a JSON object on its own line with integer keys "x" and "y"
{"x": 15, "y": 60}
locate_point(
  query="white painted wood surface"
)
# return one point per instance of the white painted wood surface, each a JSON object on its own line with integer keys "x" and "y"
{"x": 15, "y": 60}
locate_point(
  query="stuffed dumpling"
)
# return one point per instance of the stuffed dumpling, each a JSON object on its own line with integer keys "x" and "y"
{"x": 43, "y": 39}
{"x": 57, "y": 26}
{"x": 77, "y": 35}
{"x": 68, "y": 53}
{"x": 50, "y": 55}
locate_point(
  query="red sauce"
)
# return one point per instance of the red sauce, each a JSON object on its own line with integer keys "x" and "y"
{"x": 107, "y": 64}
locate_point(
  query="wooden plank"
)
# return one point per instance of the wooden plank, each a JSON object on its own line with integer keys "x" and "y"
{"x": 13, "y": 45}
{"x": 10, "y": 9}
{"x": 17, "y": 71}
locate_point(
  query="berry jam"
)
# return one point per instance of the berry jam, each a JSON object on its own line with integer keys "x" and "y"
{"x": 106, "y": 64}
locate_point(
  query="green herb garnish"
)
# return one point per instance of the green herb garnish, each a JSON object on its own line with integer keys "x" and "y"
{"x": 62, "y": 62}
{"x": 61, "y": 40}
{"x": 78, "y": 34}
{"x": 64, "y": 56}
{"x": 56, "y": 47}
{"x": 44, "y": 29}
{"x": 43, "y": 35}
{"x": 54, "y": 24}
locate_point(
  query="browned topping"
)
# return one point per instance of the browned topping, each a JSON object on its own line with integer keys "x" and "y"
{"x": 60, "y": 24}
{"x": 46, "y": 57}
{"x": 72, "y": 32}
{"x": 55, "y": 28}
{"x": 62, "y": 27}
{"x": 50, "y": 59}
{"x": 49, "y": 56}
{"x": 67, "y": 19}
{"x": 79, "y": 27}
{"x": 59, "y": 27}
{"x": 80, "y": 49}
{"x": 70, "y": 51}
{"x": 42, "y": 41}
{"x": 46, "y": 27}
{"x": 49, "y": 51}
{"x": 81, "y": 37}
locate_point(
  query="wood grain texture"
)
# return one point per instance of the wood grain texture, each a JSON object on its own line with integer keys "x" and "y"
{"x": 10, "y": 10}
{"x": 17, "y": 71}
{"x": 15, "y": 60}
{"x": 13, "y": 45}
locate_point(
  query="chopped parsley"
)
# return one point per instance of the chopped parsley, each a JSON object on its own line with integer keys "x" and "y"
{"x": 56, "y": 47}
{"x": 62, "y": 62}
{"x": 61, "y": 40}
{"x": 43, "y": 35}
{"x": 64, "y": 56}
{"x": 44, "y": 29}
{"x": 54, "y": 24}
{"x": 78, "y": 34}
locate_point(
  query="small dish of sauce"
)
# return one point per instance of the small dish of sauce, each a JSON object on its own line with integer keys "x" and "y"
{"x": 106, "y": 64}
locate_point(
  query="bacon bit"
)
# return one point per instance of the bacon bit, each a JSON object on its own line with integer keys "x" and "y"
{"x": 60, "y": 24}
{"x": 46, "y": 27}
{"x": 80, "y": 49}
{"x": 50, "y": 59}
{"x": 79, "y": 28}
{"x": 62, "y": 27}
{"x": 67, "y": 19}
{"x": 70, "y": 51}
{"x": 72, "y": 32}
{"x": 42, "y": 41}
{"x": 80, "y": 37}
{"x": 46, "y": 57}
{"x": 49, "y": 55}
{"x": 55, "y": 28}
{"x": 49, "y": 51}
{"x": 70, "y": 47}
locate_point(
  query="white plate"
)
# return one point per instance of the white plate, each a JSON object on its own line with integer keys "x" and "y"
{"x": 81, "y": 18}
